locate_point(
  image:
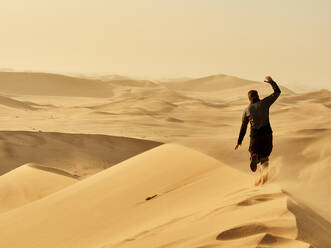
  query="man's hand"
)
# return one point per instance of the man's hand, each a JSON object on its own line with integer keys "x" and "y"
{"x": 268, "y": 79}
{"x": 237, "y": 146}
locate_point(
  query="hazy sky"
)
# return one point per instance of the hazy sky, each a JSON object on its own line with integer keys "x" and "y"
{"x": 289, "y": 39}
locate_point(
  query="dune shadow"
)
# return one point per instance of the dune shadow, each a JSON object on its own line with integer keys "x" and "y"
{"x": 312, "y": 228}
{"x": 242, "y": 231}
{"x": 260, "y": 199}
{"x": 54, "y": 170}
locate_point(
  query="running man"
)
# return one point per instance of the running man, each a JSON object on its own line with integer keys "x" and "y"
{"x": 257, "y": 113}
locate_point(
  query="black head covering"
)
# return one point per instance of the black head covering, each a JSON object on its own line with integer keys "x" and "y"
{"x": 253, "y": 95}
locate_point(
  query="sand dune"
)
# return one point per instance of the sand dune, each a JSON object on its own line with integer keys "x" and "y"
{"x": 12, "y": 103}
{"x": 133, "y": 83}
{"x": 211, "y": 83}
{"x": 170, "y": 196}
{"x": 219, "y": 82}
{"x": 27, "y": 83}
{"x": 145, "y": 101}
{"x": 194, "y": 201}
{"x": 46, "y": 84}
{"x": 30, "y": 182}
{"x": 100, "y": 76}
{"x": 323, "y": 97}
{"x": 77, "y": 154}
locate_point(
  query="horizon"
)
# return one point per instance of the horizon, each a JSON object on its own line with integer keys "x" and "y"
{"x": 149, "y": 39}
{"x": 294, "y": 88}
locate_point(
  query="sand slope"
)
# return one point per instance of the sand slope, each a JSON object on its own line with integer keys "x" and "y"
{"x": 30, "y": 182}
{"x": 169, "y": 196}
{"x": 47, "y": 84}
{"x": 79, "y": 155}
{"x": 194, "y": 201}
{"x": 12, "y": 103}
{"x": 28, "y": 83}
{"x": 211, "y": 83}
{"x": 219, "y": 82}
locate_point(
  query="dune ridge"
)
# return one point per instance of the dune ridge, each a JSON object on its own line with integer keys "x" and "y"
{"x": 220, "y": 82}
{"x": 12, "y": 103}
{"x": 79, "y": 155}
{"x": 33, "y": 83}
{"x": 106, "y": 190}
{"x": 29, "y": 183}
{"x": 120, "y": 216}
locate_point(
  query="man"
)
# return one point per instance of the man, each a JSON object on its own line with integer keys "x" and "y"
{"x": 257, "y": 113}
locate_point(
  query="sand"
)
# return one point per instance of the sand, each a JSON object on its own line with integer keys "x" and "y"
{"x": 79, "y": 155}
{"x": 29, "y": 183}
{"x": 116, "y": 162}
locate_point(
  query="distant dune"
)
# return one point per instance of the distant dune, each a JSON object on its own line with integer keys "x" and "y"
{"x": 321, "y": 96}
{"x": 79, "y": 155}
{"x": 216, "y": 83}
{"x": 99, "y": 76}
{"x": 211, "y": 83}
{"x": 108, "y": 162}
{"x": 134, "y": 83}
{"x": 45, "y": 84}
{"x": 12, "y": 103}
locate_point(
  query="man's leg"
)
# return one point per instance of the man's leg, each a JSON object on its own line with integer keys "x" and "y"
{"x": 253, "y": 150}
{"x": 265, "y": 153}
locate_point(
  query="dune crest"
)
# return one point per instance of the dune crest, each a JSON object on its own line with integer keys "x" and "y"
{"x": 219, "y": 82}
{"x": 12, "y": 103}
{"x": 47, "y": 84}
{"x": 29, "y": 183}
{"x": 125, "y": 195}
{"x": 198, "y": 202}
{"x": 79, "y": 155}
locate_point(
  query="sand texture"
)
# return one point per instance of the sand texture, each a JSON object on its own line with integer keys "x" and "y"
{"x": 112, "y": 162}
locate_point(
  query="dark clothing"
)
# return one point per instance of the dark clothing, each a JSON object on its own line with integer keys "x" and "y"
{"x": 257, "y": 114}
{"x": 261, "y": 145}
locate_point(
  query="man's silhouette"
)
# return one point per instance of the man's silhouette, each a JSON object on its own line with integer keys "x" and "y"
{"x": 257, "y": 114}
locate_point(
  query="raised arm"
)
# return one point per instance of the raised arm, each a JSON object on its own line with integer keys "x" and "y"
{"x": 273, "y": 97}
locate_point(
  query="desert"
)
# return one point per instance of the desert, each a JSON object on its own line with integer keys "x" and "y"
{"x": 120, "y": 162}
